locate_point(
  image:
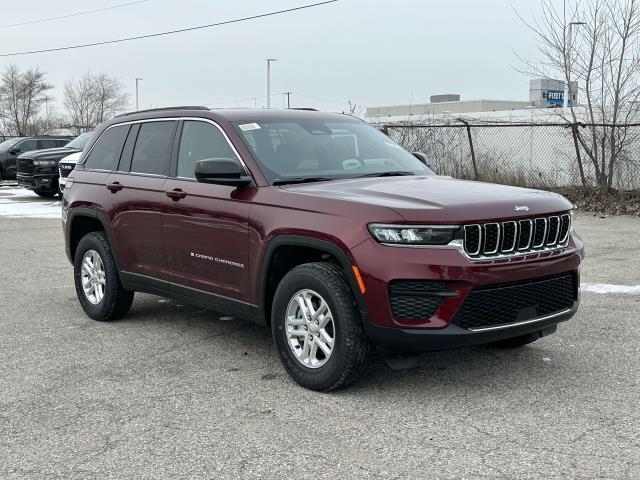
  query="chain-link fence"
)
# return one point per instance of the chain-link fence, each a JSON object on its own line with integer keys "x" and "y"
{"x": 540, "y": 155}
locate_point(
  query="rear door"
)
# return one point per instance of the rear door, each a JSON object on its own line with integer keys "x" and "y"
{"x": 136, "y": 192}
{"x": 205, "y": 226}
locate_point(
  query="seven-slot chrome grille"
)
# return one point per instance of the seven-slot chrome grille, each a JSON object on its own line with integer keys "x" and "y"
{"x": 66, "y": 169}
{"x": 516, "y": 237}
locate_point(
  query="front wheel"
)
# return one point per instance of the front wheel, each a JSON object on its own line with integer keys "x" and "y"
{"x": 45, "y": 193}
{"x": 317, "y": 328}
{"x": 97, "y": 281}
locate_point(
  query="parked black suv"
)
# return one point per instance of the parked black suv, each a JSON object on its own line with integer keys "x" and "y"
{"x": 38, "y": 170}
{"x": 10, "y": 149}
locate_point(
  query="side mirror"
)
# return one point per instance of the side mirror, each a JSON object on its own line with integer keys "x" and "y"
{"x": 222, "y": 171}
{"x": 14, "y": 151}
{"x": 422, "y": 157}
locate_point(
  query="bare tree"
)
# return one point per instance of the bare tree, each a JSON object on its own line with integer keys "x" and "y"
{"x": 92, "y": 99}
{"x": 604, "y": 59}
{"x": 22, "y": 95}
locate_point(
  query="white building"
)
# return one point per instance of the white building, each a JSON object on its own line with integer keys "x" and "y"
{"x": 543, "y": 93}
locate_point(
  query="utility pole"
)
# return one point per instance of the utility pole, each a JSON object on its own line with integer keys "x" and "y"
{"x": 269, "y": 60}
{"x": 288, "y": 94}
{"x": 567, "y": 86}
{"x": 137, "y": 92}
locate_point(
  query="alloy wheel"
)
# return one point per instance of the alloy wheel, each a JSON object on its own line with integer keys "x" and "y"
{"x": 310, "y": 328}
{"x": 93, "y": 277}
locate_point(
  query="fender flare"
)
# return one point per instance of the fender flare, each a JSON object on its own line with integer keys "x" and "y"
{"x": 96, "y": 215}
{"x": 315, "y": 243}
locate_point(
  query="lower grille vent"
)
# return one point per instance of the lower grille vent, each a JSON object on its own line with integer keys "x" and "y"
{"x": 415, "y": 299}
{"x": 513, "y": 302}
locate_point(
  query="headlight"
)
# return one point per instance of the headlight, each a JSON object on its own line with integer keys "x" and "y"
{"x": 414, "y": 234}
{"x": 44, "y": 163}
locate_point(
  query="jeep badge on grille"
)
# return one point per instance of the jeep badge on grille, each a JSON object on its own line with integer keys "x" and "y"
{"x": 521, "y": 208}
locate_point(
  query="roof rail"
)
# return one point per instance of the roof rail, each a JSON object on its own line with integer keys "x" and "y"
{"x": 161, "y": 109}
{"x": 308, "y": 109}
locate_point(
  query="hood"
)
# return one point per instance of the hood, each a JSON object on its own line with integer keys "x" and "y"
{"x": 73, "y": 158}
{"x": 48, "y": 153}
{"x": 439, "y": 199}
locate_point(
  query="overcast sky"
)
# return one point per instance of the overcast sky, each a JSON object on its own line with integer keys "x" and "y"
{"x": 367, "y": 51}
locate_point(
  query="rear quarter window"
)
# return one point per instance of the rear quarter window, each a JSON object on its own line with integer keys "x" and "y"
{"x": 106, "y": 152}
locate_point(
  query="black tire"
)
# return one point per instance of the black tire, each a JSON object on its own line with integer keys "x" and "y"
{"x": 116, "y": 301}
{"x": 45, "y": 193}
{"x": 351, "y": 349}
{"x": 522, "y": 340}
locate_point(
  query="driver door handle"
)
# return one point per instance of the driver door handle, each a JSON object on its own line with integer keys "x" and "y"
{"x": 176, "y": 194}
{"x": 114, "y": 187}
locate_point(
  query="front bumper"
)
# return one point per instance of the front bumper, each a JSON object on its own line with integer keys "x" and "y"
{"x": 380, "y": 265}
{"x": 35, "y": 182}
{"x": 452, "y": 336}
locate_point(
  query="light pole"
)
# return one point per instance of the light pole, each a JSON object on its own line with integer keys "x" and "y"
{"x": 137, "y": 90}
{"x": 269, "y": 60}
{"x": 567, "y": 86}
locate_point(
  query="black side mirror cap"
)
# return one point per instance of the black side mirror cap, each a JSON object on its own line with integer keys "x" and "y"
{"x": 14, "y": 151}
{"x": 222, "y": 171}
{"x": 422, "y": 157}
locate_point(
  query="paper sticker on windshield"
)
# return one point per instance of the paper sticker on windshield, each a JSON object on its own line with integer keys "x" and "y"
{"x": 249, "y": 126}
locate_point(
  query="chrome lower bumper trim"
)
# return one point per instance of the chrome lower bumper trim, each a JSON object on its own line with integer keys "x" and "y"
{"x": 525, "y": 322}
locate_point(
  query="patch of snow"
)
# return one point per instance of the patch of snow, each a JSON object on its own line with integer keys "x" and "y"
{"x": 609, "y": 288}
{"x": 21, "y": 203}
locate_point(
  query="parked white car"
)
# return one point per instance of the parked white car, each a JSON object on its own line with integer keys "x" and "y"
{"x": 66, "y": 166}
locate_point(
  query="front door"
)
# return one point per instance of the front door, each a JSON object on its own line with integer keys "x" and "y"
{"x": 205, "y": 226}
{"x": 24, "y": 146}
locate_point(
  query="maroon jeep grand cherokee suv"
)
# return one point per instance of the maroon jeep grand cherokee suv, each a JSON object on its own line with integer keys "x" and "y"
{"x": 319, "y": 226}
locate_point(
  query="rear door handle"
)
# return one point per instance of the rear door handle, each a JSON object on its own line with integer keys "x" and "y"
{"x": 114, "y": 187}
{"x": 176, "y": 194}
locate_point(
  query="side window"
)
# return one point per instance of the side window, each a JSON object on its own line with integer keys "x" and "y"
{"x": 199, "y": 141}
{"x": 106, "y": 151}
{"x": 153, "y": 147}
{"x": 27, "y": 145}
{"x": 42, "y": 144}
{"x": 61, "y": 143}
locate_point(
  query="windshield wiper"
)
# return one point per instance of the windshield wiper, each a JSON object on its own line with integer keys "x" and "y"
{"x": 286, "y": 181}
{"x": 395, "y": 173}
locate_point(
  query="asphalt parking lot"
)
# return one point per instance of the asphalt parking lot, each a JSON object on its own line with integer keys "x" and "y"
{"x": 173, "y": 391}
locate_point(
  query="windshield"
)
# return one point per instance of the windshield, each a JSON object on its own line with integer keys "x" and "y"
{"x": 318, "y": 150}
{"x": 80, "y": 141}
{"x": 7, "y": 144}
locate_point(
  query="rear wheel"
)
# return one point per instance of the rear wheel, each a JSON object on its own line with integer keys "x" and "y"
{"x": 317, "y": 328}
{"x": 97, "y": 281}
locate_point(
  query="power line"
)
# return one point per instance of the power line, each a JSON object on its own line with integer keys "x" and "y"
{"x": 76, "y": 14}
{"x": 170, "y": 32}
